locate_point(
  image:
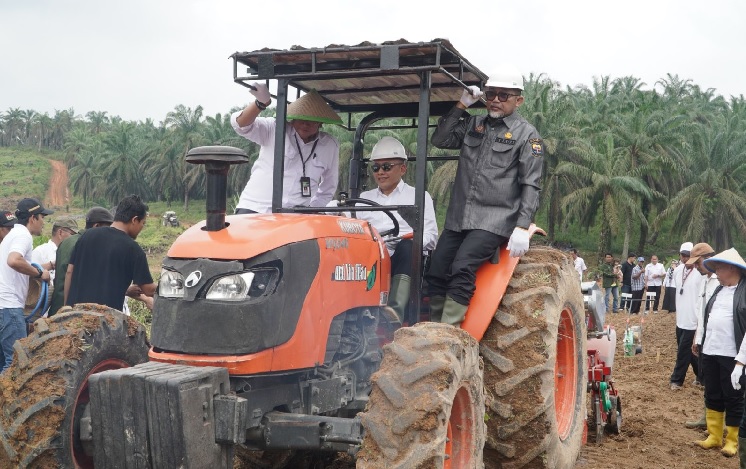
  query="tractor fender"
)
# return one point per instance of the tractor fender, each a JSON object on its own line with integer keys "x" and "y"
{"x": 492, "y": 281}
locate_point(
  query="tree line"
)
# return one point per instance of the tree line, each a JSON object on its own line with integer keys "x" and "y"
{"x": 619, "y": 157}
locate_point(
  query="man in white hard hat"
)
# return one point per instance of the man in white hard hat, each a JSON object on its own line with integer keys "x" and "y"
{"x": 311, "y": 156}
{"x": 687, "y": 283}
{"x": 389, "y": 166}
{"x": 495, "y": 194}
{"x": 724, "y": 353}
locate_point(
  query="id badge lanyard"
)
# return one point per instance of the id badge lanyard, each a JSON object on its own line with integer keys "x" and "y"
{"x": 305, "y": 181}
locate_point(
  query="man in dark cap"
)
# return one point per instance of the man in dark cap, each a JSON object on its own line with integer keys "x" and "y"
{"x": 107, "y": 263}
{"x": 15, "y": 271}
{"x": 7, "y": 222}
{"x": 96, "y": 217}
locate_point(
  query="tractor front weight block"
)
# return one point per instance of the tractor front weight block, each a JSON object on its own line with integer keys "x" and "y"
{"x": 161, "y": 415}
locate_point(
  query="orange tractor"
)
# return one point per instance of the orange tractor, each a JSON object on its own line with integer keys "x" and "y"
{"x": 270, "y": 343}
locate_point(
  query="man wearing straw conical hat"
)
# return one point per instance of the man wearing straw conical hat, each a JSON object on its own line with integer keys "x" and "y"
{"x": 311, "y": 156}
{"x": 724, "y": 355}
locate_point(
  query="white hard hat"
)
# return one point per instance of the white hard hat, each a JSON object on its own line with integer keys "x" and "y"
{"x": 507, "y": 76}
{"x": 686, "y": 247}
{"x": 388, "y": 147}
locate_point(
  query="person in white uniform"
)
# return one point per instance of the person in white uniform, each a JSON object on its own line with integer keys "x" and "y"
{"x": 389, "y": 167}
{"x": 311, "y": 156}
{"x": 724, "y": 352}
{"x": 686, "y": 282}
{"x": 699, "y": 253}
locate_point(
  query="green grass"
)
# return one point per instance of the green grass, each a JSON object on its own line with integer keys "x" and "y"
{"x": 24, "y": 173}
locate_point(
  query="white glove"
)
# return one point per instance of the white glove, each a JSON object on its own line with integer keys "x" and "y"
{"x": 735, "y": 377}
{"x": 471, "y": 95}
{"x": 518, "y": 242}
{"x": 261, "y": 93}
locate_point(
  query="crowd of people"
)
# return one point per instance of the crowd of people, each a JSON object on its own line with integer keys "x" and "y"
{"x": 102, "y": 266}
{"x": 707, "y": 293}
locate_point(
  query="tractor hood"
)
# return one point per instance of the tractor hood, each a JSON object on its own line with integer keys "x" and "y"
{"x": 247, "y": 236}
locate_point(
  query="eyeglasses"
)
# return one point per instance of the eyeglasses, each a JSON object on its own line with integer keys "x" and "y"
{"x": 501, "y": 96}
{"x": 385, "y": 166}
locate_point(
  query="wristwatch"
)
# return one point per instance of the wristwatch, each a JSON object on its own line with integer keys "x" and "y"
{"x": 40, "y": 270}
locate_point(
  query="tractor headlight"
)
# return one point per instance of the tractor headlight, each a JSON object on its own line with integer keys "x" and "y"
{"x": 171, "y": 284}
{"x": 232, "y": 287}
{"x": 245, "y": 285}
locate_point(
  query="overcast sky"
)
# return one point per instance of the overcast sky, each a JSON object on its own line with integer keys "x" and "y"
{"x": 140, "y": 58}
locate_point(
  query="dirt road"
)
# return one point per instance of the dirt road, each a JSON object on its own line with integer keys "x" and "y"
{"x": 58, "y": 195}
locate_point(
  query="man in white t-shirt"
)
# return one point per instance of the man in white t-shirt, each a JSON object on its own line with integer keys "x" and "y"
{"x": 579, "y": 263}
{"x": 654, "y": 273}
{"x": 15, "y": 270}
{"x": 45, "y": 254}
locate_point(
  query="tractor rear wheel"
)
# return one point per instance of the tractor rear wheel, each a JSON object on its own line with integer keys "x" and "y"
{"x": 44, "y": 393}
{"x": 535, "y": 375}
{"x": 426, "y": 407}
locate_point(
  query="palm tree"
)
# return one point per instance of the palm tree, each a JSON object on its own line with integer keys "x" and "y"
{"x": 712, "y": 207}
{"x": 605, "y": 187}
{"x": 83, "y": 174}
{"x": 98, "y": 120}
{"x": 187, "y": 127}
{"x": 120, "y": 168}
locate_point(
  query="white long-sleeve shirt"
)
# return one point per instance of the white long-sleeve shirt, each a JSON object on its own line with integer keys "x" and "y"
{"x": 403, "y": 194}
{"x": 654, "y": 274}
{"x": 720, "y": 338}
{"x": 688, "y": 284}
{"x": 707, "y": 288}
{"x": 320, "y": 159}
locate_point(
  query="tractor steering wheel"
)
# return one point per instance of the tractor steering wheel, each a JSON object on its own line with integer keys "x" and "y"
{"x": 393, "y": 231}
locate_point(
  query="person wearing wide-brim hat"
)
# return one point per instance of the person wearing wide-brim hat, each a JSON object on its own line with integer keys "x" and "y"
{"x": 724, "y": 354}
{"x": 311, "y": 156}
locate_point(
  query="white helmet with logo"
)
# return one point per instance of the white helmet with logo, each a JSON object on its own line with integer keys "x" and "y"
{"x": 388, "y": 147}
{"x": 507, "y": 76}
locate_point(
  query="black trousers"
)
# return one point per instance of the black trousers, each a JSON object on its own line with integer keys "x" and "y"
{"x": 657, "y": 300}
{"x": 636, "y": 301}
{"x": 719, "y": 393}
{"x": 454, "y": 264}
{"x": 401, "y": 260}
{"x": 684, "y": 356}
{"x": 626, "y": 304}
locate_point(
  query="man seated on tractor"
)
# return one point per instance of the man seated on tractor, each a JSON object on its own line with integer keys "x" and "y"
{"x": 389, "y": 166}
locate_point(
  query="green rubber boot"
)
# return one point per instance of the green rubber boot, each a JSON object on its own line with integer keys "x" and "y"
{"x": 436, "y": 307}
{"x": 399, "y": 294}
{"x": 453, "y": 312}
{"x": 701, "y": 423}
{"x": 742, "y": 452}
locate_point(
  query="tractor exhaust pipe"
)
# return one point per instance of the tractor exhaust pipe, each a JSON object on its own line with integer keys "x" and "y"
{"x": 217, "y": 161}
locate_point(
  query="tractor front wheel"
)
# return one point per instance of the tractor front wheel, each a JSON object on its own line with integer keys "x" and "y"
{"x": 426, "y": 407}
{"x": 45, "y": 390}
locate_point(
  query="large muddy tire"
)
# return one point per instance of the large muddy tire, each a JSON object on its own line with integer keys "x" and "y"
{"x": 45, "y": 391}
{"x": 426, "y": 408}
{"x": 535, "y": 364}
